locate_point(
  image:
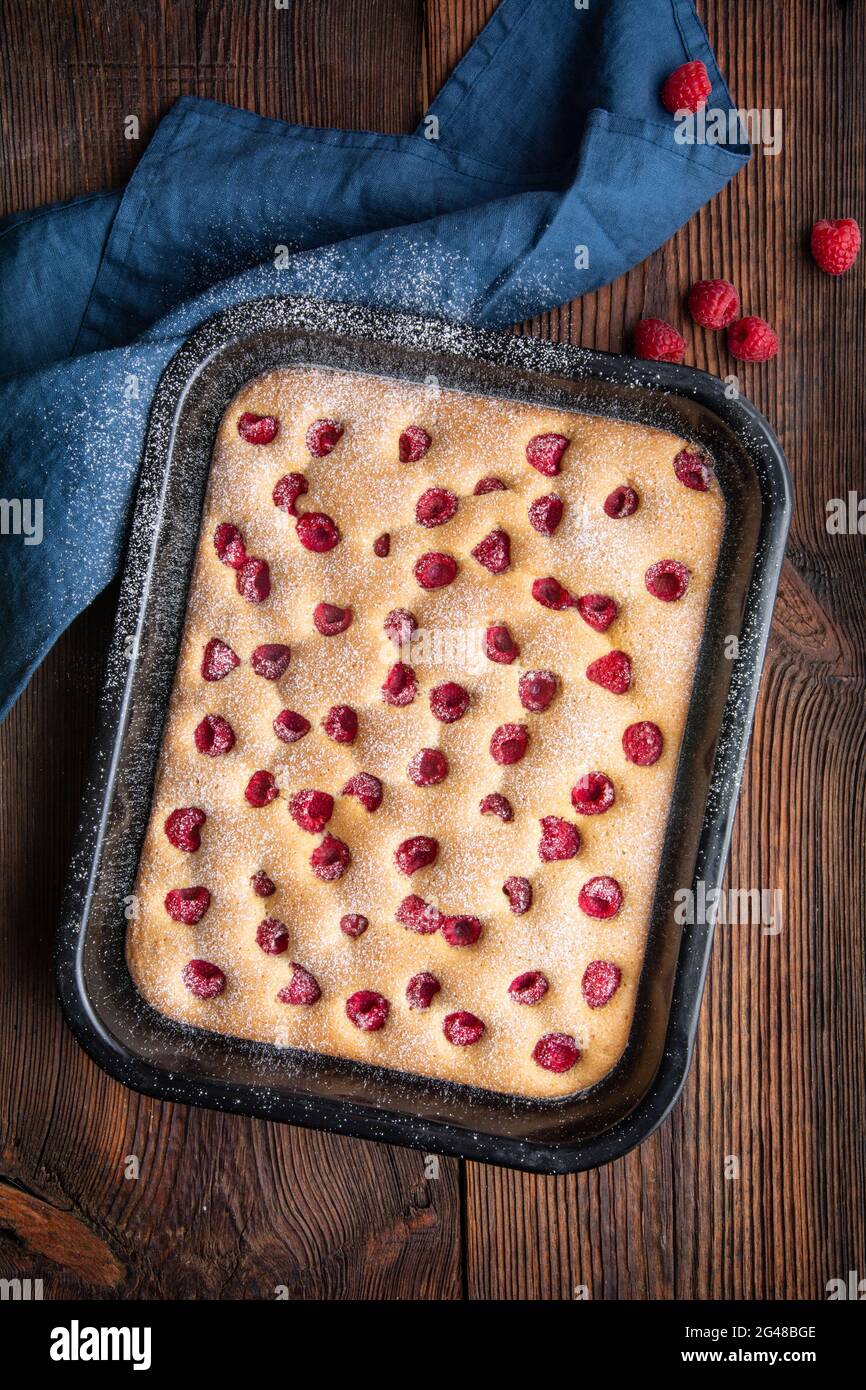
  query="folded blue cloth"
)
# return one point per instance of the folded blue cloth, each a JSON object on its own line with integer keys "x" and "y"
{"x": 549, "y": 137}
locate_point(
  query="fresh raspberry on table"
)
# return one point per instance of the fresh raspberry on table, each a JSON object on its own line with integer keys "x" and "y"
{"x": 714, "y": 303}
{"x": 686, "y": 88}
{"x": 657, "y": 341}
{"x": 836, "y": 244}
{"x": 752, "y": 340}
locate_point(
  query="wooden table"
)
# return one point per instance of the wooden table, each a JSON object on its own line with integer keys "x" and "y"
{"x": 231, "y": 1207}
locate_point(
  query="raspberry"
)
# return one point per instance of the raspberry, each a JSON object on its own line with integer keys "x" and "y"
{"x": 353, "y": 924}
{"x": 600, "y": 897}
{"x": 422, "y": 989}
{"x": 272, "y": 937}
{"x": 556, "y": 1052}
{"x": 593, "y": 794}
{"x": 642, "y": 743}
{"x": 322, "y": 436}
{"x": 413, "y": 444}
{"x": 559, "y": 839}
{"x": 667, "y": 580}
{"x": 508, "y": 744}
{"x": 341, "y": 724}
{"x": 254, "y": 580}
{"x": 183, "y": 828}
{"x": 597, "y": 610}
{"x": 500, "y": 646}
{"x": 692, "y": 470}
{"x": 317, "y": 532}
{"x": 529, "y": 987}
{"x": 461, "y": 931}
{"x": 449, "y": 701}
{"x": 462, "y": 1028}
{"x": 427, "y": 767}
{"x": 494, "y": 552}
{"x": 623, "y": 501}
{"x": 836, "y": 244}
{"x": 536, "y": 690}
{"x": 551, "y": 594}
{"x": 287, "y": 490}
{"x": 656, "y": 341}
{"x": 752, "y": 340}
{"x": 271, "y": 660}
{"x": 290, "y": 726}
{"x": 686, "y": 88}
{"x": 545, "y": 514}
{"x": 416, "y": 853}
{"x": 303, "y": 988}
{"x": 367, "y": 788}
{"x": 214, "y": 736}
{"x": 258, "y": 429}
{"x": 261, "y": 789}
{"x": 329, "y": 620}
{"x": 229, "y": 545}
{"x": 367, "y": 1010}
{"x": 187, "y": 905}
{"x": 494, "y": 804}
{"x": 400, "y": 686}
{"x": 600, "y": 982}
{"x": 518, "y": 891}
{"x": 218, "y": 660}
{"x": 330, "y": 859}
{"x": 418, "y": 916}
{"x": 399, "y": 626}
{"x": 203, "y": 979}
{"x": 262, "y": 885}
{"x": 713, "y": 303}
{"x": 489, "y": 484}
{"x": 434, "y": 570}
{"x": 545, "y": 451}
{"x": 382, "y": 546}
{"x": 435, "y": 506}
{"x": 612, "y": 671}
{"x": 311, "y": 810}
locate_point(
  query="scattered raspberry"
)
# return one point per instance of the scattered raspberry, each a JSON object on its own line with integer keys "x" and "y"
{"x": 413, "y": 444}
{"x": 598, "y": 610}
{"x": 449, "y": 701}
{"x": 714, "y": 303}
{"x": 203, "y": 979}
{"x": 422, "y": 989}
{"x": 600, "y": 982}
{"x": 623, "y": 501}
{"x": 418, "y": 916}
{"x": 692, "y": 470}
{"x": 495, "y": 804}
{"x": 551, "y": 594}
{"x": 229, "y": 545}
{"x": 508, "y": 744}
{"x": 494, "y": 552}
{"x": 518, "y": 891}
{"x": 322, "y": 437}
{"x": 593, "y": 794}
{"x": 367, "y": 788}
{"x": 462, "y": 1028}
{"x": 330, "y": 859}
{"x": 218, "y": 660}
{"x": 262, "y": 885}
{"x": 612, "y": 671}
{"x": 556, "y": 1052}
{"x": 214, "y": 736}
{"x": 427, "y": 767}
{"x": 303, "y": 988}
{"x": 489, "y": 484}
{"x": 329, "y": 620}
{"x": 258, "y": 429}
{"x": 499, "y": 645}
{"x": 600, "y": 897}
{"x": 416, "y": 853}
{"x": 545, "y": 514}
{"x": 667, "y": 580}
{"x": 536, "y": 690}
{"x": 435, "y": 506}
{"x": 399, "y": 626}
{"x": 400, "y": 686}
{"x": 187, "y": 905}
{"x": 382, "y": 546}
{"x": 183, "y": 828}
{"x": 657, "y": 341}
{"x": 341, "y": 724}
{"x": 434, "y": 570}
{"x": 272, "y": 937}
{"x": 287, "y": 490}
{"x": 367, "y": 1010}
{"x": 261, "y": 789}
{"x": 271, "y": 660}
{"x": 686, "y": 88}
{"x": 545, "y": 451}
{"x": 836, "y": 244}
{"x": 254, "y": 580}
{"x": 353, "y": 924}
{"x": 642, "y": 743}
{"x": 461, "y": 931}
{"x": 290, "y": 726}
{"x": 311, "y": 810}
{"x": 317, "y": 532}
{"x": 752, "y": 340}
{"x": 529, "y": 987}
{"x": 559, "y": 839}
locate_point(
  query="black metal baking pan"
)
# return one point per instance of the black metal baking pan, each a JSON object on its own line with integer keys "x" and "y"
{"x": 180, "y": 1063}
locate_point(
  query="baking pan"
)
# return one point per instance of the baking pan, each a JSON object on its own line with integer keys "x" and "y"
{"x": 181, "y": 1063}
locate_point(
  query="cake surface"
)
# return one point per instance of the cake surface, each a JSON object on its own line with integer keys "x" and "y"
{"x": 626, "y": 565}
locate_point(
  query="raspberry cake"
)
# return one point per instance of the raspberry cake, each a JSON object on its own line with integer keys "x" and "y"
{"x": 419, "y": 757}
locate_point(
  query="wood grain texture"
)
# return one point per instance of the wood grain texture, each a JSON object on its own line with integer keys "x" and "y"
{"x": 234, "y": 1208}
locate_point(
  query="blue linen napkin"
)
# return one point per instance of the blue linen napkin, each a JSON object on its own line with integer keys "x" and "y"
{"x": 550, "y": 136}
